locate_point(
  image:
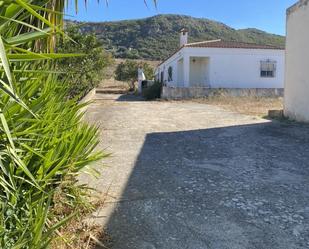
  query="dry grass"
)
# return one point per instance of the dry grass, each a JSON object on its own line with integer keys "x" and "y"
{"x": 79, "y": 233}
{"x": 113, "y": 84}
{"x": 255, "y": 106}
{"x": 154, "y": 64}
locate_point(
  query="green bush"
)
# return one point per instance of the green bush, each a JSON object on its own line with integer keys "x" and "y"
{"x": 82, "y": 74}
{"x": 47, "y": 149}
{"x": 153, "y": 92}
{"x": 127, "y": 71}
{"x": 43, "y": 139}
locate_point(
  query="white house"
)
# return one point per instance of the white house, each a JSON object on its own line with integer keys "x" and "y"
{"x": 222, "y": 64}
{"x": 296, "y": 99}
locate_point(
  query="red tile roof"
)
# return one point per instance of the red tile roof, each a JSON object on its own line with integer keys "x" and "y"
{"x": 223, "y": 44}
{"x": 230, "y": 44}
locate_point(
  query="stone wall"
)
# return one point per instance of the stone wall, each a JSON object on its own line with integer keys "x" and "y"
{"x": 184, "y": 92}
{"x": 200, "y": 92}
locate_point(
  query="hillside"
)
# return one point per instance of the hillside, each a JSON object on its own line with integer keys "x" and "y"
{"x": 156, "y": 37}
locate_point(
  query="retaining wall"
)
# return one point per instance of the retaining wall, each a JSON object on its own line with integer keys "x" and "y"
{"x": 200, "y": 92}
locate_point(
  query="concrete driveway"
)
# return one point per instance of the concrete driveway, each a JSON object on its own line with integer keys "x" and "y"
{"x": 189, "y": 175}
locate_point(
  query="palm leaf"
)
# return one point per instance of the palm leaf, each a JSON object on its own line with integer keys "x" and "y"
{"x": 40, "y": 56}
{"x": 30, "y": 36}
{"x": 5, "y": 62}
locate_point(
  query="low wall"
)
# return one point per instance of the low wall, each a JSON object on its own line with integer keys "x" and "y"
{"x": 184, "y": 92}
{"x": 200, "y": 92}
{"x": 87, "y": 98}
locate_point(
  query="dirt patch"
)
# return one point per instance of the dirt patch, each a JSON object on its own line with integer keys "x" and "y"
{"x": 113, "y": 84}
{"x": 79, "y": 233}
{"x": 254, "y": 106}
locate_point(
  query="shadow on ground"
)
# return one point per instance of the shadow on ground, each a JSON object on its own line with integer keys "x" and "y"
{"x": 226, "y": 188}
{"x": 130, "y": 97}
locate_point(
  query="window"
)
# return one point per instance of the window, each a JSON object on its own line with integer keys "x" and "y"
{"x": 170, "y": 74}
{"x": 268, "y": 69}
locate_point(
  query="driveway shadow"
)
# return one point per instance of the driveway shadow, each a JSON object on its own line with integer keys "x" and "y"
{"x": 225, "y": 188}
{"x": 130, "y": 98}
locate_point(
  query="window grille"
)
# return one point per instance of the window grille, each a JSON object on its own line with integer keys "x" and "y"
{"x": 268, "y": 69}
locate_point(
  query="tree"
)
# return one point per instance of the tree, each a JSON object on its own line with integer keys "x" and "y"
{"x": 84, "y": 73}
{"x": 127, "y": 71}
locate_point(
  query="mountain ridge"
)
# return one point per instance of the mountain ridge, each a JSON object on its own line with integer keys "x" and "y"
{"x": 156, "y": 37}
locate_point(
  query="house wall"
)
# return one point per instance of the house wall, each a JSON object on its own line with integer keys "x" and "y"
{"x": 226, "y": 68}
{"x": 240, "y": 68}
{"x": 177, "y": 70}
{"x": 180, "y": 79}
{"x": 199, "y": 72}
{"x": 296, "y": 101}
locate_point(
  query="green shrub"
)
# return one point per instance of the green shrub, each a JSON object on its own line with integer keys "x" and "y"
{"x": 127, "y": 71}
{"x": 82, "y": 74}
{"x": 47, "y": 149}
{"x": 153, "y": 92}
{"x": 43, "y": 140}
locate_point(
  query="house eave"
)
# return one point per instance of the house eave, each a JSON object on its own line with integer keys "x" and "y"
{"x": 165, "y": 60}
{"x": 296, "y": 6}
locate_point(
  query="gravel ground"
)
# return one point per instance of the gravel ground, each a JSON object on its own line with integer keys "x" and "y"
{"x": 190, "y": 175}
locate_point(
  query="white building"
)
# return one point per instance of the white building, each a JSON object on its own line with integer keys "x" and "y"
{"x": 222, "y": 64}
{"x": 296, "y": 100}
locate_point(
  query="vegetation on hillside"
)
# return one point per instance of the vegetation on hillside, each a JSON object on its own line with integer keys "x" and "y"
{"x": 156, "y": 37}
{"x": 82, "y": 73}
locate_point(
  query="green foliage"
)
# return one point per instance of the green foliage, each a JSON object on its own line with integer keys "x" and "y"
{"x": 148, "y": 70}
{"x": 156, "y": 37}
{"x": 43, "y": 139}
{"x": 153, "y": 92}
{"x": 127, "y": 71}
{"x": 47, "y": 149}
{"x": 84, "y": 73}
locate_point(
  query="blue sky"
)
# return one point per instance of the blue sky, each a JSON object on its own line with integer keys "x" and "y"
{"x": 268, "y": 15}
